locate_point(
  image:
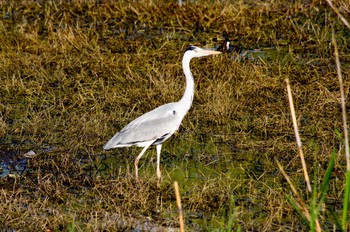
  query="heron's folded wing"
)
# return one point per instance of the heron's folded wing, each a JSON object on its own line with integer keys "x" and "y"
{"x": 159, "y": 123}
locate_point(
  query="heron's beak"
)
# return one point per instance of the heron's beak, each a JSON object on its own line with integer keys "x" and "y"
{"x": 209, "y": 52}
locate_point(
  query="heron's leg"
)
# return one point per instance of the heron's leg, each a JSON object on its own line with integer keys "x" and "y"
{"x": 159, "y": 148}
{"x": 137, "y": 161}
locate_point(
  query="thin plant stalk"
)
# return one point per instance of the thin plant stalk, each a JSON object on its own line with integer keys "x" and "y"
{"x": 179, "y": 206}
{"x": 342, "y": 99}
{"x": 298, "y": 205}
{"x": 315, "y": 207}
{"x": 326, "y": 180}
{"x": 346, "y": 136}
{"x": 296, "y": 131}
{"x": 342, "y": 18}
{"x": 313, "y": 213}
{"x": 288, "y": 179}
{"x": 346, "y": 201}
{"x": 230, "y": 215}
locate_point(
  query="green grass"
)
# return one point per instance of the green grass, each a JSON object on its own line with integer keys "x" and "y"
{"x": 73, "y": 74}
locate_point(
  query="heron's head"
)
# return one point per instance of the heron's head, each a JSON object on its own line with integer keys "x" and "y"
{"x": 199, "y": 52}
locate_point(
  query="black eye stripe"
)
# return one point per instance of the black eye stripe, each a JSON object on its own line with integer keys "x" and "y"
{"x": 190, "y": 48}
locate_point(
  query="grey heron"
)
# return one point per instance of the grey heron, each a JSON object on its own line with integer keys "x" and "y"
{"x": 156, "y": 126}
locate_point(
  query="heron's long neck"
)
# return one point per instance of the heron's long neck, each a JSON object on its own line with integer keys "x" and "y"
{"x": 186, "y": 100}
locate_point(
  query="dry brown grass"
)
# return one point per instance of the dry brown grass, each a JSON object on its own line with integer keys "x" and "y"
{"x": 73, "y": 73}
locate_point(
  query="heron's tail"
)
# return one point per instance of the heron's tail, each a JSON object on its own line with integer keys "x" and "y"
{"x": 112, "y": 143}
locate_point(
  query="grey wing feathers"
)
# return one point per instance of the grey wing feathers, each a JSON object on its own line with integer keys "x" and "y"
{"x": 157, "y": 124}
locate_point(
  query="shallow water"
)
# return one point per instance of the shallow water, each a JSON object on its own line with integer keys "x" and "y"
{"x": 12, "y": 163}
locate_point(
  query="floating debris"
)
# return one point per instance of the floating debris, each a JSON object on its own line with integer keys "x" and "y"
{"x": 30, "y": 154}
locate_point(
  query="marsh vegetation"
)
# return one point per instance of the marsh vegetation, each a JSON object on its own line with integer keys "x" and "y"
{"x": 75, "y": 72}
